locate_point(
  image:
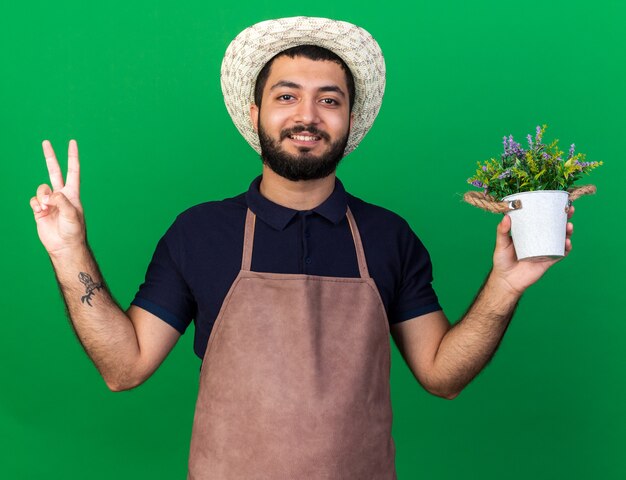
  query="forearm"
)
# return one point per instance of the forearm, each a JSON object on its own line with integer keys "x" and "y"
{"x": 105, "y": 331}
{"x": 469, "y": 345}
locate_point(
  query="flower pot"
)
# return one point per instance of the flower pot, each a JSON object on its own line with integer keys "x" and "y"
{"x": 538, "y": 227}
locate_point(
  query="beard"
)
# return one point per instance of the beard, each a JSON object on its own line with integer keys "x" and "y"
{"x": 303, "y": 166}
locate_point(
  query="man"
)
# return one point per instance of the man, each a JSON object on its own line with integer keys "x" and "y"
{"x": 295, "y": 285}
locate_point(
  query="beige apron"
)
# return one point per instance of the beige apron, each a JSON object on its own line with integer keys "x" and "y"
{"x": 295, "y": 379}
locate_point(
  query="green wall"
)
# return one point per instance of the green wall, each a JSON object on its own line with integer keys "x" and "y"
{"x": 137, "y": 84}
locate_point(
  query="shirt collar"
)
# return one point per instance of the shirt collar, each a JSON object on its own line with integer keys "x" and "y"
{"x": 333, "y": 208}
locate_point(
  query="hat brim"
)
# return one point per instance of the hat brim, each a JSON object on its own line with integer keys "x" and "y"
{"x": 256, "y": 45}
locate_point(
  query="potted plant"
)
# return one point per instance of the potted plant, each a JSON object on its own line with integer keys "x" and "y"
{"x": 535, "y": 187}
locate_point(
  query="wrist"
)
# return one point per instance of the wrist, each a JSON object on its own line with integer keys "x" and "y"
{"x": 501, "y": 288}
{"x": 75, "y": 253}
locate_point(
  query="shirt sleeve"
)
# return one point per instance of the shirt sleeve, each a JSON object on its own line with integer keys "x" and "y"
{"x": 165, "y": 293}
{"x": 415, "y": 295}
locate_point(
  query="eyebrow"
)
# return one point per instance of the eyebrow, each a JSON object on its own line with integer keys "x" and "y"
{"x": 327, "y": 88}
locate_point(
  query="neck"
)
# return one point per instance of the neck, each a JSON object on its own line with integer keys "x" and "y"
{"x": 300, "y": 195}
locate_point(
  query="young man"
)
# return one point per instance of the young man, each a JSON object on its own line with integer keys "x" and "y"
{"x": 295, "y": 285}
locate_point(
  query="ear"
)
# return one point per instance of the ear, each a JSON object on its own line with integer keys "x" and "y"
{"x": 351, "y": 119}
{"x": 254, "y": 116}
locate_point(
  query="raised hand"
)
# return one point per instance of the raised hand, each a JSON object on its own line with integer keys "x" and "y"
{"x": 58, "y": 211}
{"x": 516, "y": 275}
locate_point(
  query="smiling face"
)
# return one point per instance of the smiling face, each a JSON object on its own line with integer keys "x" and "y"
{"x": 305, "y": 120}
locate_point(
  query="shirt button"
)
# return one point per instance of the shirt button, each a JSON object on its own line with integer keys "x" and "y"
{"x": 308, "y": 260}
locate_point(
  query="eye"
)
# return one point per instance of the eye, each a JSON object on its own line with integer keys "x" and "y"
{"x": 285, "y": 97}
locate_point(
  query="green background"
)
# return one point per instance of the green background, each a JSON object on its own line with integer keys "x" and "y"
{"x": 137, "y": 84}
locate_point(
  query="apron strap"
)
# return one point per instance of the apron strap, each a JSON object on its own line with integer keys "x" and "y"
{"x": 358, "y": 245}
{"x": 248, "y": 240}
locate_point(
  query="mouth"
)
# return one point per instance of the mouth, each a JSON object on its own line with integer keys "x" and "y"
{"x": 304, "y": 138}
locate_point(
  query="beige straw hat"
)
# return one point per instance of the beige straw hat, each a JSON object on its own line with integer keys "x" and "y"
{"x": 256, "y": 45}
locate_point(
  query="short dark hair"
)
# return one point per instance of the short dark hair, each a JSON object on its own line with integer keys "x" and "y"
{"x": 312, "y": 52}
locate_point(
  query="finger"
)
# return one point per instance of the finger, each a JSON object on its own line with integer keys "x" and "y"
{"x": 43, "y": 196}
{"x": 568, "y": 246}
{"x": 54, "y": 171}
{"x": 569, "y": 229}
{"x": 570, "y": 212}
{"x": 34, "y": 204}
{"x": 66, "y": 209}
{"x": 73, "y": 166}
{"x": 38, "y": 211}
{"x": 505, "y": 224}
{"x": 503, "y": 239}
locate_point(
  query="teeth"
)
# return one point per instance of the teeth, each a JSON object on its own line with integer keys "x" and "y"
{"x": 304, "y": 138}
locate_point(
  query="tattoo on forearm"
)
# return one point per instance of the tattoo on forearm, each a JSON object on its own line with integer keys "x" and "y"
{"x": 90, "y": 287}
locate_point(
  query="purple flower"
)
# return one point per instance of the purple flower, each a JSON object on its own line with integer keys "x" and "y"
{"x": 538, "y": 137}
{"x": 530, "y": 140}
{"x": 505, "y": 174}
{"x": 513, "y": 148}
{"x": 545, "y": 156}
{"x": 585, "y": 164}
{"x": 477, "y": 183}
{"x": 484, "y": 168}
{"x": 571, "y": 151}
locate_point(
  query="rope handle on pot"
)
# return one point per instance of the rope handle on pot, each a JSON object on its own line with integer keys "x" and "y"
{"x": 490, "y": 204}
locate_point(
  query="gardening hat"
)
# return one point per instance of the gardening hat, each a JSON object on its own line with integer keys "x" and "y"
{"x": 248, "y": 53}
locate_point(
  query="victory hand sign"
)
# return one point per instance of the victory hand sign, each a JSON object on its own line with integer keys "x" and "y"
{"x": 58, "y": 211}
{"x": 126, "y": 347}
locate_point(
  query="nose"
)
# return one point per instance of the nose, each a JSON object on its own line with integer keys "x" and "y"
{"x": 306, "y": 112}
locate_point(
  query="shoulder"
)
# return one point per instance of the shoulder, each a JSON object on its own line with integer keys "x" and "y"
{"x": 214, "y": 213}
{"x": 385, "y": 231}
{"x": 206, "y": 225}
{"x": 369, "y": 216}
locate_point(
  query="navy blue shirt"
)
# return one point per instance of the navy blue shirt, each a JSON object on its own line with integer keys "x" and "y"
{"x": 199, "y": 257}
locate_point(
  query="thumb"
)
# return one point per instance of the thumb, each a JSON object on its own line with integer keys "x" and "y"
{"x": 64, "y": 206}
{"x": 503, "y": 239}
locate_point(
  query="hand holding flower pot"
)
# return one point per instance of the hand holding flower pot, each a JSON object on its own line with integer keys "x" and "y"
{"x": 516, "y": 276}
{"x": 534, "y": 187}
